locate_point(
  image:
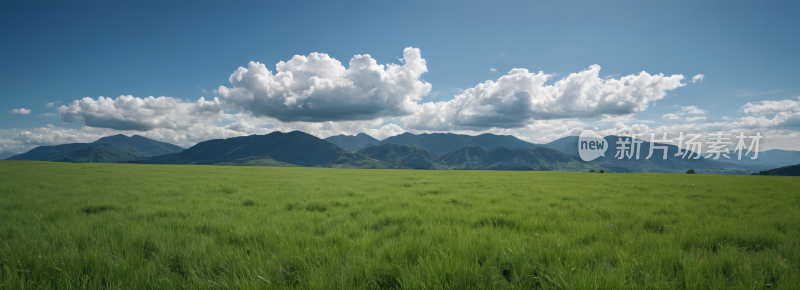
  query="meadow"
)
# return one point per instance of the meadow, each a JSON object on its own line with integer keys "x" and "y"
{"x": 122, "y": 226}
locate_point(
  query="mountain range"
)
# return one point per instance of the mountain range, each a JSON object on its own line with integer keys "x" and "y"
{"x": 766, "y": 159}
{"x": 352, "y": 143}
{"x": 474, "y": 157}
{"x": 293, "y": 148}
{"x": 7, "y": 154}
{"x": 423, "y": 151}
{"x": 111, "y": 149}
{"x": 437, "y": 143}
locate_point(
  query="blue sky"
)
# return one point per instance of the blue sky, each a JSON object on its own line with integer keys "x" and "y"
{"x": 67, "y": 51}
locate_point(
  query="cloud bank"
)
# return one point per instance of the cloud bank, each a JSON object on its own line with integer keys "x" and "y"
{"x": 520, "y": 97}
{"x": 318, "y": 88}
{"x": 132, "y": 113}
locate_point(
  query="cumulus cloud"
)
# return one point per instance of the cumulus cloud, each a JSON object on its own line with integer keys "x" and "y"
{"x": 781, "y": 106}
{"x": 692, "y": 119}
{"x": 132, "y": 113}
{"x": 520, "y": 97}
{"x": 318, "y": 88}
{"x": 691, "y": 110}
{"x": 786, "y": 113}
{"x": 52, "y": 104}
{"x": 698, "y": 78}
{"x": 688, "y": 110}
{"x": 20, "y": 111}
{"x": 782, "y": 114}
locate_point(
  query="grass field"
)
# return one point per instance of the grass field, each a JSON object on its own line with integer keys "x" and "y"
{"x": 68, "y": 225}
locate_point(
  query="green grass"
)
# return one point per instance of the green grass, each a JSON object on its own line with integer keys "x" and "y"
{"x": 66, "y": 225}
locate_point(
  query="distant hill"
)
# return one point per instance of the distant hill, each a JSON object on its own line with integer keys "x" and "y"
{"x": 468, "y": 157}
{"x": 6, "y": 154}
{"x": 767, "y": 159}
{"x": 792, "y": 170}
{"x": 295, "y": 148}
{"x": 147, "y": 147}
{"x": 352, "y": 143}
{"x": 401, "y": 156}
{"x": 105, "y": 153}
{"x": 504, "y": 158}
{"x": 47, "y": 153}
{"x": 567, "y": 145}
{"x": 144, "y": 147}
{"x": 442, "y": 143}
{"x": 656, "y": 163}
{"x": 475, "y": 157}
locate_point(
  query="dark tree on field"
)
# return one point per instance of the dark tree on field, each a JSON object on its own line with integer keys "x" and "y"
{"x": 591, "y": 170}
{"x": 690, "y": 171}
{"x": 602, "y": 171}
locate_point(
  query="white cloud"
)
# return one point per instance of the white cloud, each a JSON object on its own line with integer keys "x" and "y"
{"x": 51, "y": 104}
{"x": 131, "y": 113}
{"x": 47, "y": 115}
{"x": 317, "y": 88}
{"x": 520, "y": 97}
{"x": 698, "y": 78}
{"x": 20, "y": 111}
{"x": 786, "y": 113}
{"x": 492, "y": 70}
{"x": 691, "y": 110}
{"x": 688, "y": 110}
{"x": 781, "y": 106}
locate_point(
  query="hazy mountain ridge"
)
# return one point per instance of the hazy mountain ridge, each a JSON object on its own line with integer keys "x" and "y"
{"x": 655, "y": 163}
{"x": 766, "y": 159}
{"x": 118, "y": 145}
{"x": 7, "y": 154}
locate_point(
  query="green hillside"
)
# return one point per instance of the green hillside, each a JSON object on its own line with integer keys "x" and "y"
{"x": 468, "y": 157}
{"x": 793, "y": 170}
{"x": 401, "y": 156}
{"x": 105, "y": 153}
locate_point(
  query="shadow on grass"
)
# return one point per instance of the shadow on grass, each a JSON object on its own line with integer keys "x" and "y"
{"x": 97, "y": 209}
